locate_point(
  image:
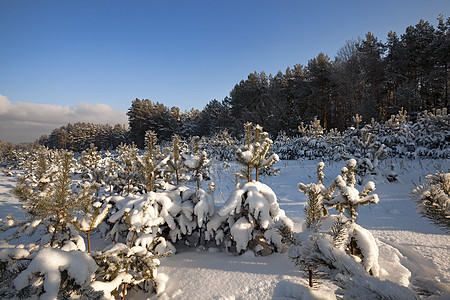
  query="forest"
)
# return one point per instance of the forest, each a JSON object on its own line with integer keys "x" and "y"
{"x": 367, "y": 78}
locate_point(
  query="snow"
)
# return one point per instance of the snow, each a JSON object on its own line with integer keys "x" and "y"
{"x": 246, "y": 156}
{"x": 287, "y": 290}
{"x": 369, "y": 248}
{"x": 242, "y": 233}
{"x": 13, "y": 253}
{"x": 206, "y": 275}
{"x": 108, "y": 287}
{"x": 204, "y": 207}
{"x": 412, "y": 252}
{"x": 50, "y": 262}
{"x": 351, "y": 162}
{"x": 258, "y": 206}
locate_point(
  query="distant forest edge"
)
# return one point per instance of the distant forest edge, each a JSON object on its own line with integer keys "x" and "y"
{"x": 367, "y": 78}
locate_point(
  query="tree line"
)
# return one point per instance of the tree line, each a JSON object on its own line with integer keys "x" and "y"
{"x": 79, "y": 136}
{"x": 367, "y": 77}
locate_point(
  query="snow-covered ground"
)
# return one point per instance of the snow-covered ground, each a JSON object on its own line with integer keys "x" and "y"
{"x": 406, "y": 241}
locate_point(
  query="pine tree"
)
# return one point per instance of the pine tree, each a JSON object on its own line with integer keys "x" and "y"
{"x": 314, "y": 208}
{"x": 175, "y": 161}
{"x": 121, "y": 265}
{"x": 67, "y": 276}
{"x": 349, "y": 198}
{"x": 197, "y": 160}
{"x": 255, "y": 153}
{"x": 93, "y": 172}
{"x": 222, "y": 146}
{"x": 111, "y": 175}
{"x": 371, "y": 154}
{"x": 336, "y": 248}
{"x": 357, "y": 119}
{"x": 150, "y": 164}
{"x": 139, "y": 220}
{"x": 57, "y": 200}
{"x": 433, "y": 199}
{"x": 128, "y": 159}
{"x": 314, "y": 211}
{"x": 89, "y": 217}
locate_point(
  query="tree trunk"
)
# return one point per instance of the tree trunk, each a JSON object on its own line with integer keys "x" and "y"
{"x": 127, "y": 268}
{"x": 89, "y": 241}
{"x": 58, "y": 220}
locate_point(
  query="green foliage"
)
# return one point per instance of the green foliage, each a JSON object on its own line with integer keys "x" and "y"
{"x": 433, "y": 199}
{"x": 76, "y": 137}
{"x": 151, "y": 163}
{"x": 88, "y": 217}
{"x": 197, "y": 161}
{"x": 175, "y": 161}
{"x": 56, "y": 201}
{"x": 127, "y": 266}
{"x": 314, "y": 208}
{"x": 314, "y": 205}
{"x": 349, "y": 198}
{"x": 128, "y": 157}
{"x": 255, "y": 152}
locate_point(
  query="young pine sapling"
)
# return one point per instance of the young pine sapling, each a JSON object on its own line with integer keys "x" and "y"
{"x": 255, "y": 153}
{"x": 57, "y": 201}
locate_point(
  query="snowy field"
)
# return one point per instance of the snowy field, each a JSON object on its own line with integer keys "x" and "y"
{"x": 412, "y": 251}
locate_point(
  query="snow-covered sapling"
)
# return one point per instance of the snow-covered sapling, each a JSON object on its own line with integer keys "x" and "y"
{"x": 221, "y": 146}
{"x": 111, "y": 172}
{"x": 357, "y": 119}
{"x": 175, "y": 161}
{"x": 92, "y": 171}
{"x": 314, "y": 208}
{"x": 256, "y": 151}
{"x": 249, "y": 218}
{"x": 349, "y": 198}
{"x": 150, "y": 164}
{"x": 197, "y": 208}
{"x": 135, "y": 262}
{"x": 56, "y": 274}
{"x": 371, "y": 154}
{"x": 12, "y": 262}
{"x": 197, "y": 161}
{"x": 136, "y": 215}
{"x": 89, "y": 217}
{"x": 433, "y": 199}
{"x": 314, "y": 211}
{"x": 391, "y": 175}
{"x": 57, "y": 201}
{"x": 303, "y": 129}
{"x": 38, "y": 168}
{"x": 120, "y": 264}
{"x": 128, "y": 167}
{"x": 315, "y": 130}
{"x": 347, "y": 235}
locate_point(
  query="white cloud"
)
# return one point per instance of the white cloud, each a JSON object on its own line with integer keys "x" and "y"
{"x": 25, "y": 121}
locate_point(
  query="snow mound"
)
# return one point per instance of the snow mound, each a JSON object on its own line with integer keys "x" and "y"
{"x": 50, "y": 262}
{"x": 288, "y": 290}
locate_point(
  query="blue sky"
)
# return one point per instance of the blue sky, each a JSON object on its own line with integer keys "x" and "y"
{"x": 75, "y": 53}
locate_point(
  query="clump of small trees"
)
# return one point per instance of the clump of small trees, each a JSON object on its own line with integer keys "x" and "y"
{"x": 433, "y": 199}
